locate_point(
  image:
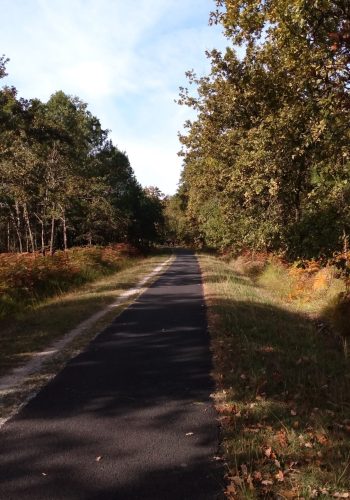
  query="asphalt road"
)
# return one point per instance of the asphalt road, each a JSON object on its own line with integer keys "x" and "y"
{"x": 130, "y": 417}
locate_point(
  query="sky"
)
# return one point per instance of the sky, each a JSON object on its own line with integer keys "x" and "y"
{"x": 125, "y": 58}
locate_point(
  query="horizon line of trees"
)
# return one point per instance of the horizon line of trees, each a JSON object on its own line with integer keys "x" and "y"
{"x": 267, "y": 158}
{"x": 63, "y": 182}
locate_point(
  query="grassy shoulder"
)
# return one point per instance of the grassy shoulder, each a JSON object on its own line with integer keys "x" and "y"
{"x": 282, "y": 386}
{"x": 36, "y": 327}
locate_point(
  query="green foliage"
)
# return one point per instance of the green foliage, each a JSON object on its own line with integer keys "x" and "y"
{"x": 179, "y": 229}
{"x": 63, "y": 182}
{"x": 266, "y": 161}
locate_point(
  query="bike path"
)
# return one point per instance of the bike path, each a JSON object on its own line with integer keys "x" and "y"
{"x": 131, "y": 416}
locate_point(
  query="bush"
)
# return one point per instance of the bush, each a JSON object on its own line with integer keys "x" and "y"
{"x": 26, "y": 279}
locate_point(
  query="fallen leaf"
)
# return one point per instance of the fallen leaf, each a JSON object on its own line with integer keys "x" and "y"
{"x": 279, "y": 476}
{"x": 43, "y": 474}
{"x": 293, "y": 412}
{"x": 251, "y": 429}
{"x": 322, "y": 439}
{"x": 231, "y": 491}
{"x": 289, "y": 494}
{"x": 341, "y": 495}
{"x": 250, "y": 483}
{"x": 282, "y": 438}
{"x": 189, "y": 434}
{"x": 268, "y": 452}
{"x": 237, "y": 480}
{"x": 257, "y": 475}
{"x": 308, "y": 445}
{"x": 244, "y": 469}
{"x": 266, "y": 482}
{"x": 98, "y": 458}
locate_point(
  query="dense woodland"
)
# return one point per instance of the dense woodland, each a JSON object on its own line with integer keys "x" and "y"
{"x": 267, "y": 160}
{"x": 63, "y": 182}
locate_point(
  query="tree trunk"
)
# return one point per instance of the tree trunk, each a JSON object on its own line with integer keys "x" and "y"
{"x": 64, "y": 234}
{"x": 52, "y": 235}
{"x": 42, "y": 238}
{"x": 64, "y": 227}
{"x": 8, "y": 236}
{"x": 17, "y": 231}
{"x": 30, "y": 234}
{"x": 42, "y": 233}
{"x": 18, "y": 226}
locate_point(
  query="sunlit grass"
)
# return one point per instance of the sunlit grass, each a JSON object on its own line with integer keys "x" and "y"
{"x": 283, "y": 387}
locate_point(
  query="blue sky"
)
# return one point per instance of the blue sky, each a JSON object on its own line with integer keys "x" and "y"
{"x": 126, "y": 59}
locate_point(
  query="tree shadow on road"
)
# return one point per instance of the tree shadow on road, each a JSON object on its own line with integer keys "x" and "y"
{"x": 138, "y": 397}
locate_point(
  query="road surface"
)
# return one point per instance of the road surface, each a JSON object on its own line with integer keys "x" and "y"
{"x": 131, "y": 416}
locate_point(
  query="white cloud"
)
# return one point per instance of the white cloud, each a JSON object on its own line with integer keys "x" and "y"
{"x": 126, "y": 59}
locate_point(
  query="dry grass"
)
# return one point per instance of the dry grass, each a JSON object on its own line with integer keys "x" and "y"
{"x": 282, "y": 385}
{"x": 27, "y": 279}
{"x": 38, "y": 326}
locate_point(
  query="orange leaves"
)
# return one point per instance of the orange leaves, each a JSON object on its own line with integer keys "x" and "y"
{"x": 226, "y": 408}
{"x": 321, "y": 439}
{"x": 279, "y": 476}
{"x": 27, "y": 278}
{"x": 269, "y": 453}
{"x": 282, "y": 439}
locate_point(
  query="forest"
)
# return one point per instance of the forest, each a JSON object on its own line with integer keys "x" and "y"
{"x": 63, "y": 182}
{"x": 267, "y": 158}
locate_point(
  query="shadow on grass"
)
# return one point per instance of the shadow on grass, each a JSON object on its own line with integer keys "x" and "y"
{"x": 286, "y": 387}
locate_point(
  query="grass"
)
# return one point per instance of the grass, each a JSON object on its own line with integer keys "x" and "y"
{"x": 283, "y": 392}
{"x": 36, "y": 327}
{"x": 28, "y": 279}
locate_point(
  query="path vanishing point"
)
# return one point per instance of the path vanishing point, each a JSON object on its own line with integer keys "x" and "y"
{"x": 131, "y": 416}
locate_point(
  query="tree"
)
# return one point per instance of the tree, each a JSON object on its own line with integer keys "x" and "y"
{"x": 266, "y": 161}
{"x": 63, "y": 182}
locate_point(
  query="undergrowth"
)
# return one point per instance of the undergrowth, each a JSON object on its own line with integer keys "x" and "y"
{"x": 282, "y": 380}
{"x": 28, "y": 279}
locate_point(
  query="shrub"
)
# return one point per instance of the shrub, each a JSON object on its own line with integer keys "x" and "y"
{"x": 26, "y": 279}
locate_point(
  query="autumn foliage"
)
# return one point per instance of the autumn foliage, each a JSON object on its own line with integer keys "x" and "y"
{"x": 27, "y": 278}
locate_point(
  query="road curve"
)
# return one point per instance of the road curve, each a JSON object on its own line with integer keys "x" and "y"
{"x": 130, "y": 417}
